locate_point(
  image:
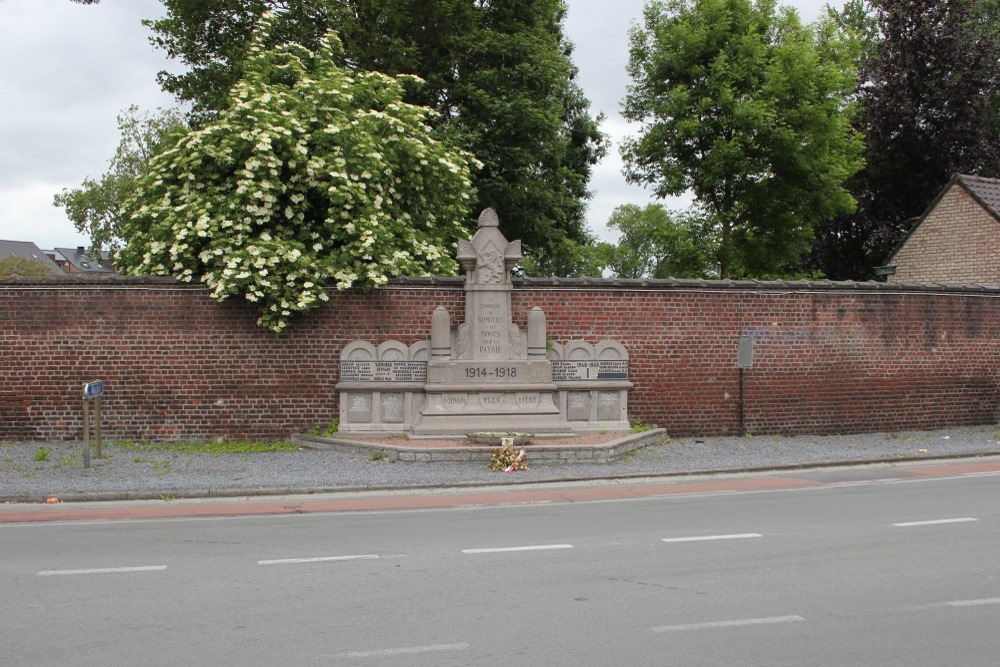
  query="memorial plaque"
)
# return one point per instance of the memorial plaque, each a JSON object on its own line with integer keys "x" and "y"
{"x": 383, "y": 371}
{"x": 599, "y": 369}
{"x": 613, "y": 369}
{"x": 491, "y": 330}
{"x": 608, "y": 405}
{"x": 392, "y": 407}
{"x": 578, "y": 406}
{"x": 359, "y": 408}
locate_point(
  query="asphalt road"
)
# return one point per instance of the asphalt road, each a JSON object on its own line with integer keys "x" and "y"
{"x": 854, "y": 571}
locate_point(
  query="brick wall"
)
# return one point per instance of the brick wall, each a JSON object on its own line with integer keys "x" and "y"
{"x": 828, "y": 358}
{"x": 957, "y": 243}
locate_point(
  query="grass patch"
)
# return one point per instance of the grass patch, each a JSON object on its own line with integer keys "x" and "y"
{"x": 42, "y": 454}
{"x": 213, "y": 448}
{"x": 329, "y": 431}
{"x": 234, "y": 447}
{"x": 626, "y": 457}
{"x": 162, "y": 468}
{"x": 638, "y": 427}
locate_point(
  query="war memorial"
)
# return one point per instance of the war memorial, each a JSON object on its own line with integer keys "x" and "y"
{"x": 486, "y": 374}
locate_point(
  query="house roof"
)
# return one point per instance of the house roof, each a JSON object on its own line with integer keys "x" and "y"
{"x": 985, "y": 191}
{"x": 82, "y": 261}
{"x": 27, "y": 250}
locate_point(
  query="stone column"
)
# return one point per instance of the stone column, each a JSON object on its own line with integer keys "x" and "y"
{"x": 440, "y": 334}
{"x": 536, "y": 334}
{"x": 488, "y": 332}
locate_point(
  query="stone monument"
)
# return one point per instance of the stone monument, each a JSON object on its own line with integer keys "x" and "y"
{"x": 487, "y": 375}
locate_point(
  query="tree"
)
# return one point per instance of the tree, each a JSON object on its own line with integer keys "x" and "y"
{"x": 575, "y": 259}
{"x": 750, "y": 111}
{"x": 657, "y": 243}
{"x": 930, "y": 106}
{"x": 498, "y": 73}
{"x": 15, "y": 265}
{"x": 95, "y": 207}
{"x": 312, "y": 175}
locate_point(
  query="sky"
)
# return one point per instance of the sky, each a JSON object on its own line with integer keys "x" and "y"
{"x": 67, "y": 71}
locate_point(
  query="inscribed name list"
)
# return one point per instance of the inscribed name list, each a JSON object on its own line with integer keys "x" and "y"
{"x": 601, "y": 369}
{"x": 492, "y": 324}
{"x": 383, "y": 371}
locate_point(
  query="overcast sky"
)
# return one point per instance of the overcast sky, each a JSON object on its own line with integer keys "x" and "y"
{"x": 67, "y": 70}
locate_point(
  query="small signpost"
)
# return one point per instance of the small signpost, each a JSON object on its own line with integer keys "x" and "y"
{"x": 92, "y": 391}
{"x": 744, "y": 359}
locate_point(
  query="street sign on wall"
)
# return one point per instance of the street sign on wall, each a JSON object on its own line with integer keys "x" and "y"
{"x": 744, "y": 355}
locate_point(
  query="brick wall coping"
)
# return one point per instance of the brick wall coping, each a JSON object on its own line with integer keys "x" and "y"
{"x": 611, "y": 284}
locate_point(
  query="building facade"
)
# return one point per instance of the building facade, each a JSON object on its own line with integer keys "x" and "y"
{"x": 957, "y": 240}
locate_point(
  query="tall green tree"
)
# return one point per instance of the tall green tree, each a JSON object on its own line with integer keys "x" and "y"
{"x": 929, "y": 98}
{"x": 929, "y": 107}
{"x": 749, "y": 110}
{"x": 313, "y": 175}
{"x": 95, "y": 208}
{"x": 499, "y": 74}
{"x": 659, "y": 243}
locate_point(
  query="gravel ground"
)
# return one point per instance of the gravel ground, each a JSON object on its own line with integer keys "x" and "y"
{"x": 140, "y": 471}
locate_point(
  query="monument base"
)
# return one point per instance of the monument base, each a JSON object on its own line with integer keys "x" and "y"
{"x": 521, "y": 408}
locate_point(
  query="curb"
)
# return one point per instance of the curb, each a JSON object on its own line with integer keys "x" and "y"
{"x": 218, "y": 494}
{"x": 600, "y": 453}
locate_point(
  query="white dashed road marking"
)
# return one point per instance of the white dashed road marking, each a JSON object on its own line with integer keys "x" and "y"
{"x": 729, "y": 624}
{"x": 973, "y": 603}
{"x": 318, "y": 559}
{"x": 934, "y": 522}
{"x": 103, "y": 570}
{"x": 982, "y": 602}
{"x": 409, "y": 650}
{"x": 706, "y": 538}
{"x": 537, "y": 547}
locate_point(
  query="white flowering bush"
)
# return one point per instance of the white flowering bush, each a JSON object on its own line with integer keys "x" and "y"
{"x": 315, "y": 176}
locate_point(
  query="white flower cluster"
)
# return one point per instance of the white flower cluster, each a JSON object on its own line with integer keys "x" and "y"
{"x": 276, "y": 202}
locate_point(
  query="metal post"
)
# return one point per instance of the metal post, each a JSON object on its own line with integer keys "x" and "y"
{"x": 86, "y": 433}
{"x": 91, "y": 390}
{"x": 97, "y": 424}
{"x": 744, "y": 359}
{"x": 743, "y": 430}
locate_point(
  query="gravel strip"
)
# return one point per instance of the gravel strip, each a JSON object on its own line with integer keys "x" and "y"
{"x": 137, "y": 471}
